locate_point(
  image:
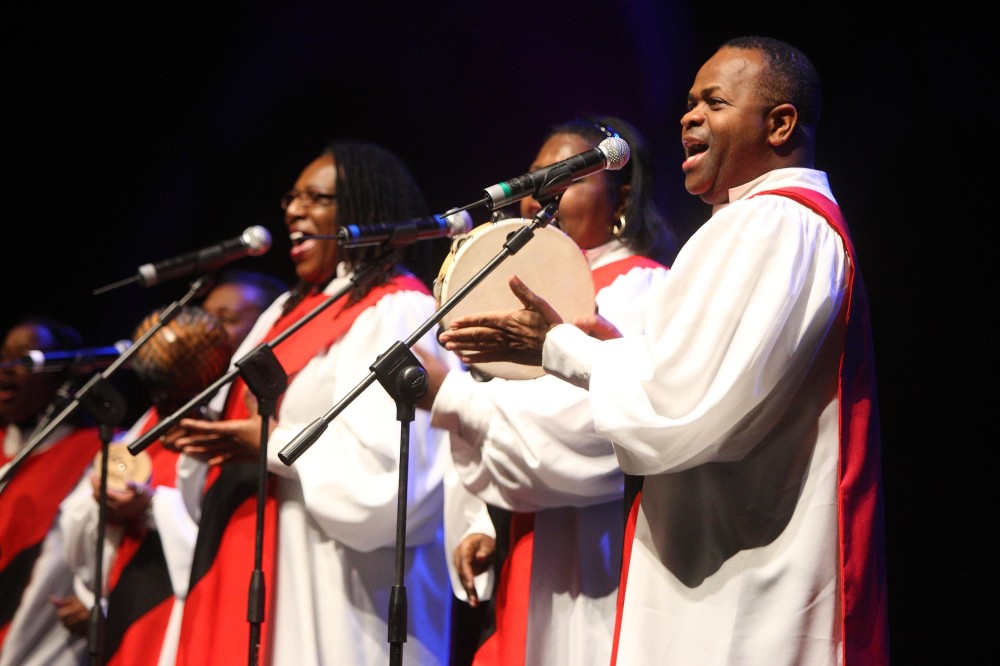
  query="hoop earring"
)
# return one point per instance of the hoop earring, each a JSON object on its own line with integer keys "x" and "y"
{"x": 618, "y": 227}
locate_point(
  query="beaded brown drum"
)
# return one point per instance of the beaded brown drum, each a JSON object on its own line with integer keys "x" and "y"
{"x": 182, "y": 358}
{"x": 177, "y": 363}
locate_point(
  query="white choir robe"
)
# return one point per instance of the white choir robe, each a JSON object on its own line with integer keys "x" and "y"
{"x": 338, "y": 501}
{"x": 530, "y": 446}
{"x": 728, "y": 406}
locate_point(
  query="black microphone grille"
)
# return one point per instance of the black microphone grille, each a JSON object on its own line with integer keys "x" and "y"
{"x": 616, "y": 151}
{"x": 257, "y": 239}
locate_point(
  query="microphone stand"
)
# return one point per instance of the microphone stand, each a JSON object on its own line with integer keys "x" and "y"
{"x": 405, "y": 379}
{"x": 267, "y": 380}
{"x": 108, "y": 408}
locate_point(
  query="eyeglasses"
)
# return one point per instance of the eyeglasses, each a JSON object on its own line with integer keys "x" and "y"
{"x": 308, "y": 198}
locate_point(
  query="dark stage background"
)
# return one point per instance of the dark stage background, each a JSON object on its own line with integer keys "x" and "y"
{"x": 131, "y": 135}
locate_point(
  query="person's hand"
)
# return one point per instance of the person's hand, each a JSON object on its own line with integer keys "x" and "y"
{"x": 437, "y": 370}
{"x": 515, "y": 336}
{"x": 123, "y": 507}
{"x": 598, "y": 327}
{"x": 215, "y": 442}
{"x": 72, "y": 613}
{"x": 473, "y": 556}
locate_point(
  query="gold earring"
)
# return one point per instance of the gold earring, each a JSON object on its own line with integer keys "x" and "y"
{"x": 618, "y": 227}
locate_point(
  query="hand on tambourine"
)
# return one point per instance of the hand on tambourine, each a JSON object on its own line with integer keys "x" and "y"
{"x": 216, "y": 442}
{"x": 72, "y": 613}
{"x": 126, "y": 504}
{"x": 472, "y": 556}
{"x": 515, "y": 336}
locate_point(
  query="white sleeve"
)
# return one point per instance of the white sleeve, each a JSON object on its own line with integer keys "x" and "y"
{"x": 465, "y": 514}
{"x": 527, "y": 445}
{"x": 350, "y": 476}
{"x": 178, "y": 532}
{"x": 749, "y": 301}
{"x": 78, "y": 526}
{"x": 191, "y": 476}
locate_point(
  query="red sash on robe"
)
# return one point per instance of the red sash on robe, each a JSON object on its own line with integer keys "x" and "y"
{"x": 506, "y": 646}
{"x": 215, "y": 627}
{"x": 28, "y": 506}
{"x": 864, "y": 616}
{"x": 864, "y": 613}
{"x": 140, "y": 593}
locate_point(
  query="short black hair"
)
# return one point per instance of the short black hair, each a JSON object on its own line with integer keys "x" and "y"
{"x": 790, "y": 78}
{"x": 269, "y": 286}
{"x": 65, "y": 336}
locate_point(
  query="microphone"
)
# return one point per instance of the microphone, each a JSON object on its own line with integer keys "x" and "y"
{"x": 254, "y": 241}
{"x": 403, "y": 233}
{"x": 612, "y": 154}
{"x": 83, "y": 360}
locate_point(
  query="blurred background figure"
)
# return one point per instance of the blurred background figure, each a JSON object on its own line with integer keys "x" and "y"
{"x": 173, "y": 366}
{"x": 537, "y": 494}
{"x": 331, "y": 518}
{"x": 238, "y": 297}
{"x": 32, "y": 569}
{"x": 149, "y": 540}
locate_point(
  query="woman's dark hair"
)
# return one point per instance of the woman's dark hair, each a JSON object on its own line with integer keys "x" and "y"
{"x": 373, "y": 186}
{"x": 646, "y": 229}
{"x": 64, "y": 336}
{"x": 268, "y": 285}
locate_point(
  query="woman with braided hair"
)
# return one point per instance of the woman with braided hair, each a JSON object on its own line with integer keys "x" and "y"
{"x": 330, "y": 561}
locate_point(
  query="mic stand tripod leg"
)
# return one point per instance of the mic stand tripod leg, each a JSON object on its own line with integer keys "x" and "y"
{"x": 267, "y": 380}
{"x": 405, "y": 379}
{"x": 108, "y": 408}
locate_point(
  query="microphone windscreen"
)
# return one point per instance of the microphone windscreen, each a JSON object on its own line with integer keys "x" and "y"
{"x": 257, "y": 240}
{"x": 616, "y": 151}
{"x": 458, "y": 223}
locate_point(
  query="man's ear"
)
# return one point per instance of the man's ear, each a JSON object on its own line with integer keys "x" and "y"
{"x": 782, "y": 120}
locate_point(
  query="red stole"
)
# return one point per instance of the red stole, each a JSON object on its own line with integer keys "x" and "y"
{"x": 860, "y": 504}
{"x": 29, "y": 505}
{"x": 215, "y": 628}
{"x": 140, "y": 593}
{"x": 506, "y": 646}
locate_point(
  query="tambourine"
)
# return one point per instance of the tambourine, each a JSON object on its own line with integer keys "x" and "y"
{"x": 550, "y": 264}
{"x": 124, "y": 467}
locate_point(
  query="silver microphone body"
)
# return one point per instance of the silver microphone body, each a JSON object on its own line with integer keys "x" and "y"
{"x": 254, "y": 241}
{"x": 612, "y": 154}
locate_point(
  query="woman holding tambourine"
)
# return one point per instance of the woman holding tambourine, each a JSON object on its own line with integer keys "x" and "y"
{"x": 524, "y": 444}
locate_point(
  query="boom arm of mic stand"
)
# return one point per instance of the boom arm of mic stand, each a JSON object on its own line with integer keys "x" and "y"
{"x": 308, "y": 436}
{"x": 367, "y": 273}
